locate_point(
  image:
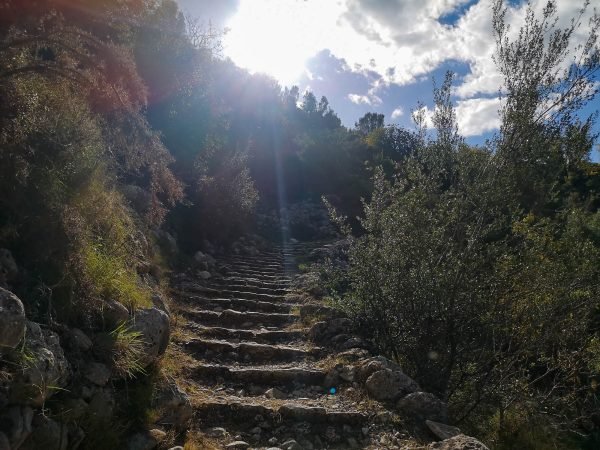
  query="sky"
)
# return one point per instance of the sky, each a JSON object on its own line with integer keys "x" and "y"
{"x": 376, "y": 55}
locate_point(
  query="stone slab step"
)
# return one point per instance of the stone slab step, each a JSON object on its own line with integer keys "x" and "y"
{"x": 257, "y": 268}
{"x": 259, "y": 276}
{"x": 233, "y": 293}
{"x": 268, "y": 264}
{"x": 267, "y": 376}
{"x": 248, "y": 351}
{"x": 241, "y": 304}
{"x": 261, "y": 336}
{"x": 239, "y": 286}
{"x": 250, "y": 281}
{"x": 219, "y": 412}
{"x": 239, "y": 319}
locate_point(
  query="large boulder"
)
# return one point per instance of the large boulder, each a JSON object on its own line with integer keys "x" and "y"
{"x": 389, "y": 385}
{"x": 12, "y": 320}
{"x": 154, "y": 327}
{"x": 44, "y": 368}
{"x": 423, "y": 406}
{"x": 460, "y": 442}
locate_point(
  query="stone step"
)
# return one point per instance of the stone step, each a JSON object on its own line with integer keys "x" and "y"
{"x": 232, "y": 293}
{"x": 247, "y": 351}
{"x": 261, "y": 376}
{"x": 188, "y": 287}
{"x": 261, "y": 336}
{"x": 240, "y": 286}
{"x": 250, "y": 281}
{"x": 238, "y": 319}
{"x": 240, "y": 304}
{"x": 268, "y": 264}
{"x": 256, "y": 271}
{"x": 244, "y": 414}
{"x": 256, "y": 265}
{"x": 258, "y": 276}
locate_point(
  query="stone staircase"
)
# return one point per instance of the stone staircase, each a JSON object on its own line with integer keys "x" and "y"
{"x": 256, "y": 380}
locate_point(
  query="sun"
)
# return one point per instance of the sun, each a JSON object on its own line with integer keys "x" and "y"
{"x": 275, "y": 37}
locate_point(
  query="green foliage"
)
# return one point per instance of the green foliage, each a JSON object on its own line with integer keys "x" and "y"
{"x": 489, "y": 304}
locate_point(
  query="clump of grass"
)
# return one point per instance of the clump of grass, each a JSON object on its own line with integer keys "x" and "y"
{"x": 128, "y": 351}
{"x": 111, "y": 278}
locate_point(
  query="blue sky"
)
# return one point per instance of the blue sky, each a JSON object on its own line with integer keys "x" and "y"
{"x": 375, "y": 55}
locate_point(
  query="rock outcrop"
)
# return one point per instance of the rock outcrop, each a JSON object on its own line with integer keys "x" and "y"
{"x": 12, "y": 320}
{"x": 154, "y": 327}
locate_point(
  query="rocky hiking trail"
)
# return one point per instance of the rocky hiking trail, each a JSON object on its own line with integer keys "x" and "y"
{"x": 264, "y": 370}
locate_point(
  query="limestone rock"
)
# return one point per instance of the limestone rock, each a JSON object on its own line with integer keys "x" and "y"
{"x": 80, "y": 340}
{"x": 369, "y": 366}
{"x": 460, "y": 442}
{"x": 389, "y": 385}
{"x": 154, "y": 326}
{"x": 238, "y": 445}
{"x": 200, "y": 257}
{"x": 347, "y": 373}
{"x": 158, "y": 301}
{"x": 97, "y": 373}
{"x": 168, "y": 243}
{"x": 216, "y": 432}
{"x": 12, "y": 320}
{"x": 424, "y": 406}
{"x": 114, "y": 313}
{"x": 275, "y": 393}
{"x": 45, "y": 370}
{"x": 442, "y": 431}
{"x": 325, "y": 330}
{"x": 174, "y": 404}
{"x": 204, "y": 274}
{"x": 291, "y": 445}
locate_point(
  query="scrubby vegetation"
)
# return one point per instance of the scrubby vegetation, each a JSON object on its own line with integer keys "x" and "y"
{"x": 477, "y": 268}
{"x": 123, "y": 129}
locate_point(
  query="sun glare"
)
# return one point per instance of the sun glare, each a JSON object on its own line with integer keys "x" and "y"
{"x": 276, "y": 36}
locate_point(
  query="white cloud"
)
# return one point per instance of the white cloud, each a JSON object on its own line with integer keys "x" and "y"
{"x": 476, "y": 116}
{"x": 400, "y": 40}
{"x": 369, "y": 99}
{"x": 359, "y": 99}
{"x": 398, "y": 112}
